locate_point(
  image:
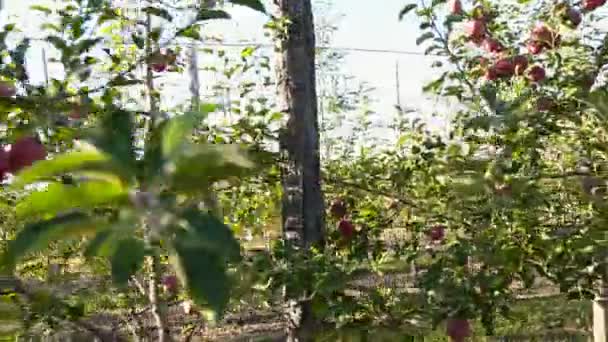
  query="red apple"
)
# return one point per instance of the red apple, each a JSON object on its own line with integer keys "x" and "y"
{"x": 170, "y": 283}
{"x": 492, "y": 45}
{"x": 536, "y": 74}
{"x": 475, "y": 29}
{"x": 535, "y": 47}
{"x": 158, "y": 67}
{"x": 437, "y": 232}
{"x": 7, "y": 89}
{"x": 458, "y": 329}
{"x": 490, "y": 74}
{"x": 504, "y": 67}
{"x": 24, "y": 152}
{"x": 4, "y": 162}
{"x": 521, "y": 64}
{"x": 455, "y": 7}
{"x": 346, "y": 229}
{"x": 574, "y": 16}
{"x": 591, "y": 5}
{"x": 338, "y": 209}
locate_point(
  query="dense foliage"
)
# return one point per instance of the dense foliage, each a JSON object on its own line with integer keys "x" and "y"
{"x": 147, "y": 196}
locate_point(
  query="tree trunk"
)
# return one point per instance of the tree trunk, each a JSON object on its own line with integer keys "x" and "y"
{"x": 302, "y": 205}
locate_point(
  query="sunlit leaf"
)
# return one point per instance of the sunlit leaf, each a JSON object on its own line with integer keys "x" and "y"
{"x": 57, "y": 198}
{"x": 63, "y": 163}
{"x": 193, "y": 32}
{"x": 179, "y": 129}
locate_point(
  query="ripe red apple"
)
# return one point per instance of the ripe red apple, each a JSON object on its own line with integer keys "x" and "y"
{"x": 535, "y": 47}
{"x": 475, "y": 29}
{"x": 170, "y": 283}
{"x": 24, "y": 152}
{"x": 504, "y": 67}
{"x": 7, "y": 89}
{"x": 458, "y": 329}
{"x": 521, "y": 64}
{"x": 437, "y": 232}
{"x": 346, "y": 229}
{"x": 338, "y": 209}
{"x": 492, "y": 45}
{"x": 158, "y": 67}
{"x": 4, "y": 162}
{"x": 591, "y": 5}
{"x": 455, "y": 7}
{"x": 536, "y": 74}
{"x": 574, "y": 16}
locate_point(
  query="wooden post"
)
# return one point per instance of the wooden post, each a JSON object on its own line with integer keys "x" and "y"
{"x": 600, "y": 315}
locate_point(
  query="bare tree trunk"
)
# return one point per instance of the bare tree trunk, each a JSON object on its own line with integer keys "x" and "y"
{"x": 302, "y": 207}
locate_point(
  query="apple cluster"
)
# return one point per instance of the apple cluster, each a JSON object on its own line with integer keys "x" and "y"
{"x": 542, "y": 38}
{"x": 23, "y": 153}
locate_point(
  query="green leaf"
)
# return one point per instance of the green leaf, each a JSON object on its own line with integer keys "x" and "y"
{"x": 424, "y": 37}
{"x": 127, "y": 259}
{"x": 192, "y": 32}
{"x": 255, "y": 5}
{"x": 407, "y": 9}
{"x": 207, "y": 14}
{"x": 122, "y": 81}
{"x": 179, "y": 128}
{"x": 104, "y": 242}
{"x": 42, "y": 9}
{"x": 86, "y": 44}
{"x": 159, "y": 12}
{"x": 206, "y": 231}
{"x": 138, "y": 40}
{"x": 57, "y": 198}
{"x": 58, "y": 43}
{"x": 99, "y": 244}
{"x": 61, "y": 164}
{"x": 200, "y": 165}
{"x": 37, "y": 236}
{"x": 203, "y": 273}
{"x": 115, "y": 136}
